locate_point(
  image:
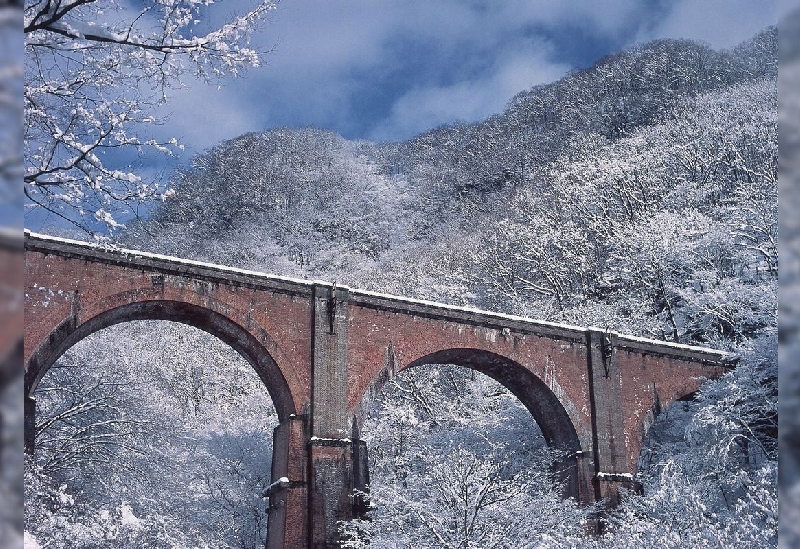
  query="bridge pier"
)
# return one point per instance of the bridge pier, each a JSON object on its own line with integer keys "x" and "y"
{"x": 608, "y": 418}
{"x": 338, "y": 481}
{"x": 288, "y": 518}
{"x": 338, "y": 467}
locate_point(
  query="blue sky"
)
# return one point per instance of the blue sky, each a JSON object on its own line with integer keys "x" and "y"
{"x": 388, "y": 70}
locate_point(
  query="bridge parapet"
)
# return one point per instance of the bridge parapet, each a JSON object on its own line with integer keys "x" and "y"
{"x": 213, "y": 272}
{"x": 693, "y": 353}
{"x": 169, "y": 265}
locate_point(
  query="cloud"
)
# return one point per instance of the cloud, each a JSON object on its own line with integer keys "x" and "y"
{"x": 205, "y": 114}
{"x": 470, "y": 100}
{"x": 601, "y": 17}
{"x": 721, "y": 23}
{"x": 389, "y": 70}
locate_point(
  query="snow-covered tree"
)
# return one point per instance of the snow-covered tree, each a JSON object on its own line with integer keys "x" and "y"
{"x": 144, "y": 441}
{"x": 495, "y": 489}
{"x": 710, "y": 466}
{"x": 95, "y": 72}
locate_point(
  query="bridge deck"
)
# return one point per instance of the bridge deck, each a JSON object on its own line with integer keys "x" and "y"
{"x": 234, "y": 276}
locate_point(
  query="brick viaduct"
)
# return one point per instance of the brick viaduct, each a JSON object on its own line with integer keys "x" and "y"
{"x": 323, "y": 351}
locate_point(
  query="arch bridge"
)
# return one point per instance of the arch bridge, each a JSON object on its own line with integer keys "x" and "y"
{"x": 324, "y": 351}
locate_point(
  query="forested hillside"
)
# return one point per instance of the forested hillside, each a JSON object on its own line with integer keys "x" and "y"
{"x": 536, "y": 211}
{"x": 638, "y": 194}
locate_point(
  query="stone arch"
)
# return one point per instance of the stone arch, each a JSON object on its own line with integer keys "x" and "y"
{"x": 545, "y": 407}
{"x": 67, "y": 334}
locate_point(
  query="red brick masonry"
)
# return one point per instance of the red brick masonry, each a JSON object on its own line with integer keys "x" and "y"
{"x": 323, "y": 352}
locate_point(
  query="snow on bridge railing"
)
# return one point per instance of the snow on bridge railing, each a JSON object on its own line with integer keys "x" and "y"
{"x": 497, "y": 320}
{"x": 467, "y": 315}
{"x": 654, "y": 346}
{"x": 170, "y": 264}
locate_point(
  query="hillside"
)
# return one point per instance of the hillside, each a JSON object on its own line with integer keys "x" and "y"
{"x": 639, "y": 194}
{"x": 670, "y": 139}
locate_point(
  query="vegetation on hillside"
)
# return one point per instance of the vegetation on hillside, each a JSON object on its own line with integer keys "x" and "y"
{"x": 639, "y": 194}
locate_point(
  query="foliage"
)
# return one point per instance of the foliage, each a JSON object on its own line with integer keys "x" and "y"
{"x": 639, "y": 194}
{"x": 497, "y": 486}
{"x": 95, "y": 72}
{"x": 712, "y": 482}
{"x": 150, "y": 444}
{"x": 683, "y": 512}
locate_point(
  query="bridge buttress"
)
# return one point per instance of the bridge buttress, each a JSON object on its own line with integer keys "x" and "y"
{"x": 337, "y": 460}
{"x": 608, "y": 418}
{"x": 329, "y": 418}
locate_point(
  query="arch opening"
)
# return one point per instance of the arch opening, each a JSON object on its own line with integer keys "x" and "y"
{"x": 548, "y": 413}
{"x": 152, "y": 431}
{"x": 64, "y": 336}
{"x": 535, "y": 395}
{"x": 472, "y": 435}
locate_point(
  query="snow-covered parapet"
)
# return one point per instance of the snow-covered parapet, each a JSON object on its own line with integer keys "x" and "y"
{"x": 702, "y": 354}
{"x": 504, "y": 324}
{"x": 166, "y": 263}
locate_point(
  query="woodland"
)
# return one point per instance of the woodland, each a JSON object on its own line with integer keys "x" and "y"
{"x": 638, "y": 194}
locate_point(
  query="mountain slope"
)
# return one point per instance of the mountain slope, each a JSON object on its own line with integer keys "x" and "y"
{"x": 639, "y": 194}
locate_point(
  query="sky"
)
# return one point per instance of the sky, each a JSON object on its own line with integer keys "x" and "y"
{"x": 388, "y": 70}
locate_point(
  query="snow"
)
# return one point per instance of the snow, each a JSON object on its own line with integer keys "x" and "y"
{"x": 674, "y": 235}
{"x": 128, "y": 518}
{"x": 725, "y": 356}
{"x": 614, "y": 476}
{"x": 458, "y": 309}
{"x": 281, "y": 483}
{"x": 82, "y": 29}
{"x": 500, "y": 317}
{"x": 336, "y": 440}
{"x": 30, "y": 541}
